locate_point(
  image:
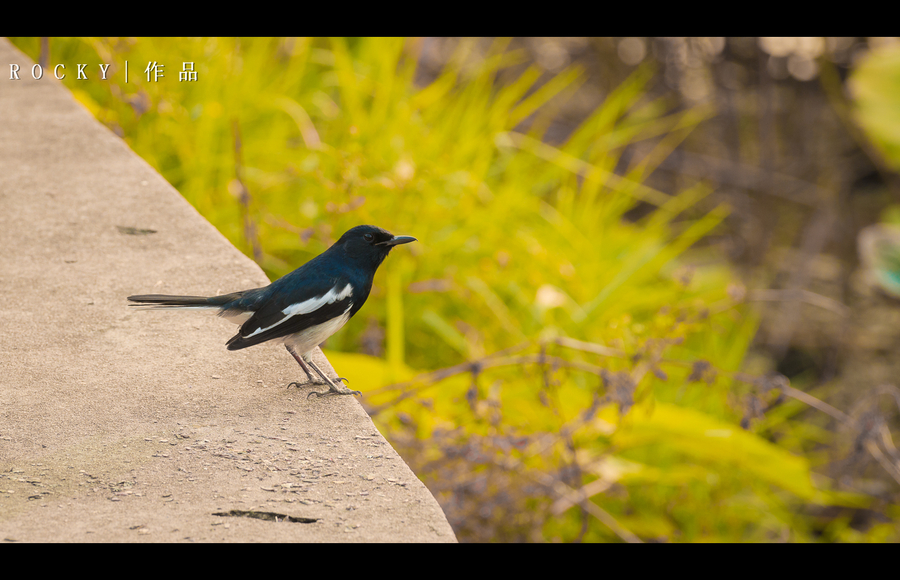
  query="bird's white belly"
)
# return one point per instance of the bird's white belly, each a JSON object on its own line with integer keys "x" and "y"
{"x": 305, "y": 341}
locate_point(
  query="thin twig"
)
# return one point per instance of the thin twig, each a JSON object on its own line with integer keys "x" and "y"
{"x": 878, "y": 454}
{"x": 583, "y": 493}
{"x": 886, "y": 389}
{"x": 800, "y": 295}
{"x": 817, "y": 403}
{"x": 588, "y": 347}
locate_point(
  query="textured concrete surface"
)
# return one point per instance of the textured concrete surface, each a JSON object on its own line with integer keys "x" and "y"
{"x": 118, "y": 425}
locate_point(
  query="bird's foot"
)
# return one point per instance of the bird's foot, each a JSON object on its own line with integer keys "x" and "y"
{"x": 332, "y": 392}
{"x": 311, "y": 381}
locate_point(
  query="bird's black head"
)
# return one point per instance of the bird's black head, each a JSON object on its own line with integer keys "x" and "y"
{"x": 369, "y": 244}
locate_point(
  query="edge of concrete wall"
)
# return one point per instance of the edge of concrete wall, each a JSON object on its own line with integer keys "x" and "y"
{"x": 118, "y": 425}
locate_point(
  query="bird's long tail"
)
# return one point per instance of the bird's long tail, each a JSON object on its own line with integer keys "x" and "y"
{"x": 187, "y": 302}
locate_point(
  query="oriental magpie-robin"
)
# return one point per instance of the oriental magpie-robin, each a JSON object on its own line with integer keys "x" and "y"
{"x": 304, "y": 307}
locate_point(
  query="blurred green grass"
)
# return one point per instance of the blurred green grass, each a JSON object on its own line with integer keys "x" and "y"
{"x": 283, "y": 144}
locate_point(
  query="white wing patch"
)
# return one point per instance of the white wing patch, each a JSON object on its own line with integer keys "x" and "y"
{"x": 308, "y": 306}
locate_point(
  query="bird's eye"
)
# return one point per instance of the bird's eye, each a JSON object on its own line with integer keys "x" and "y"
{"x": 369, "y": 237}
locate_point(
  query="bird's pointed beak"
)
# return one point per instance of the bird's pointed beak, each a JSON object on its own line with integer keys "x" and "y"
{"x": 397, "y": 240}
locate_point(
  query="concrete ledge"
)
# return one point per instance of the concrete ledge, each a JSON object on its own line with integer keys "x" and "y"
{"x": 118, "y": 425}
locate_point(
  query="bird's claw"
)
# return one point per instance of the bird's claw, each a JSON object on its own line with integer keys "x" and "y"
{"x": 313, "y": 382}
{"x": 331, "y": 393}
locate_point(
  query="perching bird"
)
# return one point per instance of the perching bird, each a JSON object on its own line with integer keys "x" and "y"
{"x": 304, "y": 307}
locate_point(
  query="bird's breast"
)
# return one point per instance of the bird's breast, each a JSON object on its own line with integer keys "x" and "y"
{"x": 308, "y": 339}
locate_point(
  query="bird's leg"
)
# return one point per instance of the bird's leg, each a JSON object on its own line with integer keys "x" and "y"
{"x": 333, "y": 388}
{"x": 309, "y": 376}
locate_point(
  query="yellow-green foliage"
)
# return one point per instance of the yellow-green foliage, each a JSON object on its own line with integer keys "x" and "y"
{"x": 875, "y": 86}
{"x": 285, "y": 144}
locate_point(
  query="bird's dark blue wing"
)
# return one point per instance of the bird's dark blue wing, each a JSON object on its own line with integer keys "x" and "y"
{"x": 294, "y": 304}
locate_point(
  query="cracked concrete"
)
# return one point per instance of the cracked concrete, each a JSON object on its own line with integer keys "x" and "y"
{"x": 119, "y": 426}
